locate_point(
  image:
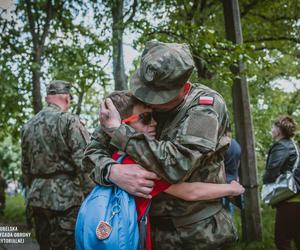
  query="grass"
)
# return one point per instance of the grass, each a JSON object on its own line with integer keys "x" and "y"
{"x": 14, "y": 211}
{"x": 267, "y": 242}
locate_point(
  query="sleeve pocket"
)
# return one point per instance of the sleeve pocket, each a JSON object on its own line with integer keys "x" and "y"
{"x": 200, "y": 129}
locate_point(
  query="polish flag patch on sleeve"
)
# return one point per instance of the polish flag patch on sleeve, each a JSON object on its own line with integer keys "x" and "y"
{"x": 206, "y": 100}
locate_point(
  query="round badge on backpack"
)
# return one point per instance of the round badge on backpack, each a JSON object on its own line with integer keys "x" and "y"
{"x": 103, "y": 230}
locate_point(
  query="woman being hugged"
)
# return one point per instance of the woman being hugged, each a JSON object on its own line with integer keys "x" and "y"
{"x": 281, "y": 158}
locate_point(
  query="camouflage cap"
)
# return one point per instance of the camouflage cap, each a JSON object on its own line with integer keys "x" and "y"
{"x": 164, "y": 69}
{"x": 58, "y": 87}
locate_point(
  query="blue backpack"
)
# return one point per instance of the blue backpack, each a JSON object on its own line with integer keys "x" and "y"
{"x": 113, "y": 207}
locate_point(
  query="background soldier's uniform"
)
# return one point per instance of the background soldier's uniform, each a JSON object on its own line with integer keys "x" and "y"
{"x": 52, "y": 148}
{"x": 189, "y": 147}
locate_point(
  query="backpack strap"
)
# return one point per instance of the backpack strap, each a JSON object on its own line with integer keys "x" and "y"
{"x": 117, "y": 191}
{"x": 297, "y": 159}
{"x": 144, "y": 219}
{"x": 143, "y": 228}
{"x": 115, "y": 187}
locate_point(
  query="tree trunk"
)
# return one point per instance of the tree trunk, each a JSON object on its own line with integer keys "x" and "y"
{"x": 120, "y": 77}
{"x": 251, "y": 215}
{"x": 79, "y": 103}
{"x": 36, "y": 82}
{"x": 38, "y": 43}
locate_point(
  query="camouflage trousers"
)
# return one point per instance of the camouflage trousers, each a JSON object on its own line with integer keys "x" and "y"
{"x": 55, "y": 229}
{"x": 216, "y": 232}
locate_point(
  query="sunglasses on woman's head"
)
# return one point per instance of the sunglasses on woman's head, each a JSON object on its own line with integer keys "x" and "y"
{"x": 145, "y": 118}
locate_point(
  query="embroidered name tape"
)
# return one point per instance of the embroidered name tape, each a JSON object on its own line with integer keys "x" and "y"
{"x": 206, "y": 100}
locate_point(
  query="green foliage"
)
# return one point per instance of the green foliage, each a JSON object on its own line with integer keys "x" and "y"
{"x": 268, "y": 218}
{"x": 10, "y": 159}
{"x": 81, "y": 64}
{"x": 14, "y": 212}
{"x": 13, "y": 98}
{"x": 73, "y": 50}
{"x": 78, "y": 48}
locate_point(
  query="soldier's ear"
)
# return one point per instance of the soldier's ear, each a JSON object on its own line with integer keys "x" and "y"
{"x": 68, "y": 99}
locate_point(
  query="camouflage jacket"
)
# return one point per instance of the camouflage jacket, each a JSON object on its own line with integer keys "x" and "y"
{"x": 53, "y": 143}
{"x": 189, "y": 147}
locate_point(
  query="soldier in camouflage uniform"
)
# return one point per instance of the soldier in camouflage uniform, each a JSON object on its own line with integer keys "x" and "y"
{"x": 189, "y": 147}
{"x": 53, "y": 143}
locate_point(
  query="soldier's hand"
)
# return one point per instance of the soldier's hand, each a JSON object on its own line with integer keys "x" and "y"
{"x": 236, "y": 188}
{"x": 133, "y": 178}
{"x": 109, "y": 117}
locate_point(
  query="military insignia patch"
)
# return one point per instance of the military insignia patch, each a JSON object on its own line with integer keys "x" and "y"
{"x": 206, "y": 100}
{"x": 103, "y": 230}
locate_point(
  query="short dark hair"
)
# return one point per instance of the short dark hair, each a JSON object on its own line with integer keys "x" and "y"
{"x": 124, "y": 102}
{"x": 287, "y": 125}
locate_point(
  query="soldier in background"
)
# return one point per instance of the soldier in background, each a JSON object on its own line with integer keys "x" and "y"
{"x": 3, "y": 186}
{"x": 53, "y": 143}
{"x": 189, "y": 147}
